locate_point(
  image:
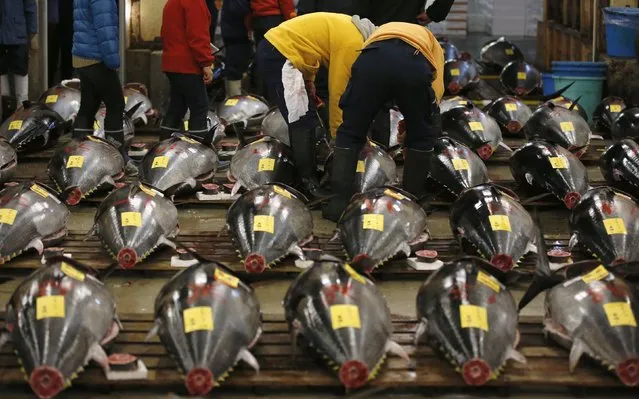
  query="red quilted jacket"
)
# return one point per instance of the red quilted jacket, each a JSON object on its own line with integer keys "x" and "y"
{"x": 262, "y": 8}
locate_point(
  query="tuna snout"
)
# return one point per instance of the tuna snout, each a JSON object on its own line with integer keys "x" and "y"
{"x": 72, "y": 196}
{"x": 46, "y": 382}
{"x": 628, "y": 372}
{"x": 353, "y": 374}
{"x": 476, "y": 372}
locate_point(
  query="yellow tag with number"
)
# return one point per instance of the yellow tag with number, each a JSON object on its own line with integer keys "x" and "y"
{"x": 94, "y": 139}
{"x": 620, "y": 314}
{"x": 72, "y": 272}
{"x": 521, "y": 75}
{"x": 7, "y": 216}
{"x": 566, "y": 127}
{"x": 597, "y": 274}
{"x": 476, "y": 126}
{"x": 472, "y": 316}
{"x": 559, "y": 162}
{"x": 615, "y": 108}
{"x": 281, "y": 191}
{"x": 40, "y": 191}
{"x": 510, "y": 51}
{"x": 96, "y": 125}
{"x": 394, "y": 194}
{"x": 264, "y": 223}
{"x": 51, "y": 99}
{"x": 343, "y": 316}
{"x": 126, "y": 100}
{"x": 231, "y": 102}
{"x": 460, "y": 164}
{"x": 353, "y": 273}
{"x": 147, "y": 190}
{"x": 188, "y": 140}
{"x": 511, "y": 107}
{"x": 454, "y": 72}
{"x": 199, "y": 318}
{"x": 499, "y": 222}
{"x": 226, "y": 278}
{"x": 160, "y": 162}
{"x": 48, "y": 307}
{"x": 361, "y": 168}
{"x": 615, "y": 226}
{"x": 373, "y": 222}
{"x": 488, "y": 281}
{"x": 75, "y": 161}
{"x": 131, "y": 219}
{"x": 15, "y": 125}
{"x": 186, "y": 126}
{"x": 266, "y": 165}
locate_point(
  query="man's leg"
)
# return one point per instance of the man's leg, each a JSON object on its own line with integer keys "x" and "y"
{"x": 53, "y": 31}
{"x": 198, "y": 105}
{"x": 89, "y": 103}
{"x": 238, "y": 55}
{"x": 111, "y": 93}
{"x": 19, "y": 66}
{"x": 177, "y": 108}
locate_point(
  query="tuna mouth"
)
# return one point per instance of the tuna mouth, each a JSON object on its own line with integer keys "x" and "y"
{"x": 618, "y": 261}
{"x": 454, "y": 87}
{"x": 503, "y": 262}
{"x": 520, "y": 91}
{"x": 571, "y": 199}
{"x": 513, "y": 127}
{"x": 127, "y": 258}
{"x": 46, "y": 382}
{"x": 255, "y": 263}
{"x": 485, "y": 152}
{"x": 199, "y": 382}
{"x": 353, "y": 374}
{"x": 476, "y": 372}
{"x": 628, "y": 372}
{"x": 363, "y": 262}
{"x": 73, "y": 196}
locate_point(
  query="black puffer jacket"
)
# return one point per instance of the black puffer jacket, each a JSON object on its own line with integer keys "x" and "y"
{"x": 384, "y": 11}
{"x": 349, "y": 7}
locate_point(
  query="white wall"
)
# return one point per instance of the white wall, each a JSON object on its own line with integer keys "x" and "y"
{"x": 505, "y": 17}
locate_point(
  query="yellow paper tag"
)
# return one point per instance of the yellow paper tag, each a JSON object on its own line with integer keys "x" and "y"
{"x": 40, "y": 191}
{"x": 521, "y": 75}
{"x": 75, "y": 161}
{"x": 488, "y": 281}
{"x": 188, "y": 140}
{"x": 476, "y": 126}
{"x": 226, "y": 278}
{"x": 15, "y": 125}
{"x": 282, "y": 192}
{"x": 353, "y": 273}
{"x": 620, "y": 314}
{"x": 147, "y": 190}
{"x": 615, "y": 108}
{"x": 567, "y": 127}
{"x": 511, "y": 107}
{"x": 360, "y": 167}
{"x": 160, "y": 162}
{"x": 597, "y": 274}
{"x": 51, "y": 99}
{"x": 264, "y": 223}
{"x": 472, "y": 316}
{"x": 615, "y": 226}
{"x": 499, "y": 222}
{"x": 199, "y": 318}
{"x": 94, "y": 139}
{"x": 131, "y": 219}
{"x": 48, "y": 307}
{"x": 345, "y": 316}
{"x": 72, "y": 272}
{"x": 373, "y": 222}
{"x": 266, "y": 165}
{"x": 460, "y": 164}
{"x": 186, "y": 126}
{"x": 126, "y": 100}
{"x": 510, "y": 51}
{"x": 96, "y": 125}
{"x": 454, "y": 72}
{"x": 559, "y": 162}
{"x": 7, "y": 216}
{"x": 394, "y": 194}
{"x": 231, "y": 102}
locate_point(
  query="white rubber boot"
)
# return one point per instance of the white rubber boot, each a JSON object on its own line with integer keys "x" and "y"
{"x": 233, "y": 87}
{"x": 22, "y": 88}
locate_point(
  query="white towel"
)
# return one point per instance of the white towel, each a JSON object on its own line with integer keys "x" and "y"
{"x": 295, "y": 93}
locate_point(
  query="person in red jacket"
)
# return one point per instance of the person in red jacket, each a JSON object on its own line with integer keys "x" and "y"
{"x": 187, "y": 61}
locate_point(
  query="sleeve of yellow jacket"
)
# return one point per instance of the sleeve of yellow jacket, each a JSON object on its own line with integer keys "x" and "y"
{"x": 322, "y": 38}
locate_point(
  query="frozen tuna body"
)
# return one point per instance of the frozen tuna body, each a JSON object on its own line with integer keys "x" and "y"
{"x": 471, "y": 317}
{"x": 607, "y": 112}
{"x": 473, "y": 128}
{"x": 379, "y": 224}
{"x": 134, "y": 94}
{"x": 344, "y": 317}
{"x": 268, "y": 223}
{"x": 559, "y": 126}
{"x": 127, "y": 123}
{"x": 275, "y": 125}
{"x": 498, "y": 53}
{"x": 626, "y": 124}
{"x": 133, "y": 221}
{"x": 450, "y": 51}
{"x": 208, "y": 320}
{"x": 57, "y": 319}
{"x": 32, "y": 128}
{"x": 31, "y": 216}
{"x": 213, "y": 124}
{"x": 520, "y": 78}
{"x": 456, "y": 167}
{"x": 567, "y": 103}
{"x": 63, "y": 100}
{"x": 510, "y": 113}
{"x": 452, "y": 102}
{"x": 460, "y": 74}
{"x": 83, "y": 166}
{"x": 8, "y": 161}
{"x": 246, "y": 111}
{"x": 619, "y": 165}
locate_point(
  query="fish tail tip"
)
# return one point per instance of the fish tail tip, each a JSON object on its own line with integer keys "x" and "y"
{"x": 255, "y": 263}
{"x": 353, "y": 374}
{"x": 46, "y": 381}
{"x": 199, "y": 381}
{"x": 476, "y": 372}
{"x": 628, "y": 372}
{"x": 127, "y": 258}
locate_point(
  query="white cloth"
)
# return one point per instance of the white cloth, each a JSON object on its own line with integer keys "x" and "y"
{"x": 22, "y": 88}
{"x": 295, "y": 94}
{"x": 5, "y": 90}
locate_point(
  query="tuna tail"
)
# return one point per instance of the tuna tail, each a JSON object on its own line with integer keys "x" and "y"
{"x": 157, "y": 324}
{"x": 133, "y": 110}
{"x": 104, "y": 273}
{"x": 557, "y": 93}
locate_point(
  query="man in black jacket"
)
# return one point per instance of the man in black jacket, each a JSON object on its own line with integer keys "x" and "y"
{"x": 349, "y": 7}
{"x": 411, "y": 11}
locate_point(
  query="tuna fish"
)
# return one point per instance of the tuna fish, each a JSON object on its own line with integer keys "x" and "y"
{"x": 343, "y": 316}
{"x": 606, "y": 223}
{"x": 626, "y": 124}
{"x": 178, "y": 165}
{"x": 127, "y": 123}
{"x": 57, "y": 320}
{"x": 32, "y": 128}
{"x": 133, "y": 221}
{"x": 456, "y": 167}
{"x": 84, "y": 166}
{"x": 31, "y": 217}
{"x": 263, "y": 161}
{"x": 208, "y": 320}
{"x": 567, "y": 103}
{"x": 473, "y": 128}
{"x": 452, "y": 102}
{"x": 460, "y": 74}
{"x": 510, "y": 113}
{"x": 552, "y": 169}
{"x": 275, "y": 125}
{"x": 493, "y": 224}
{"x": 62, "y": 99}
{"x": 520, "y": 78}
{"x": 619, "y": 165}
{"x": 606, "y": 113}
{"x": 134, "y": 94}
{"x": 245, "y": 111}
{"x": 498, "y": 53}
{"x": 8, "y": 161}
{"x": 471, "y": 318}
{"x": 268, "y": 223}
{"x": 213, "y": 123}
{"x": 450, "y": 51}
{"x": 378, "y": 225}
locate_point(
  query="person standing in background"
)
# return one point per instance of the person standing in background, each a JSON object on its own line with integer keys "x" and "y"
{"x": 60, "y": 36}
{"x": 411, "y": 11}
{"x": 210, "y": 4}
{"x": 234, "y": 25}
{"x": 348, "y": 7}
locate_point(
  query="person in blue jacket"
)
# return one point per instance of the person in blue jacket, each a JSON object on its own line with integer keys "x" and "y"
{"x": 18, "y": 27}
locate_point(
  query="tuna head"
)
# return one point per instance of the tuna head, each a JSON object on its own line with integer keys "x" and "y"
{"x": 245, "y": 111}
{"x": 607, "y": 112}
{"x": 263, "y": 161}
{"x": 57, "y": 319}
{"x": 268, "y": 223}
{"x": 83, "y": 166}
{"x": 31, "y": 128}
{"x": 132, "y": 97}
{"x": 450, "y": 51}
{"x": 343, "y": 316}
{"x": 510, "y": 113}
{"x": 626, "y": 124}
{"x": 550, "y": 168}
{"x": 520, "y": 78}
{"x": 560, "y": 126}
{"x": 453, "y": 102}
{"x": 133, "y": 221}
{"x": 606, "y": 223}
{"x": 208, "y": 320}
{"x": 275, "y": 125}
{"x": 596, "y": 314}
{"x": 63, "y": 100}
{"x": 473, "y": 128}
{"x": 498, "y": 53}
{"x": 471, "y": 317}
{"x": 8, "y": 161}
{"x": 494, "y": 224}
{"x": 619, "y": 165}
{"x": 568, "y": 103}
{"x": 178, "y": 165}
{"x": 30, "y": 216}
{"x": 460, "y": 74}
{"x": 127, "y": 123}
{"x": 213, "y": 124}
{"x": 456, "y": 167}
{"x": 379, "y": 224}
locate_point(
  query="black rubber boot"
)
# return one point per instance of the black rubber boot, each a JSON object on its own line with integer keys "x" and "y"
{"x": 416, "y": 169}
{"x": 303, "y": 146}
{"x": 166, "y": 133}
{"x": 116, "y": 137}
{"x": 342, "y": 182}
{"x": 203, "y": 136}
{"x": 380, "y": 129}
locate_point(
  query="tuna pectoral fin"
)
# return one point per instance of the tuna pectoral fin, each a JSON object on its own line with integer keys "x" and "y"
{"x": 421, "y": 330}
{"x": 578, "y": 348}
{"x": 297, "y": 251}
{"x": 236, "y": 187}
{"x": 113, "y": 332}
{"x": 516, "y": 356}
{"x": 574, "y": 240}
{"x": 165, "y": 241}
{"x": 249, "y": 359}
{"x": 97, "y": 354}
{"x": 396, "y": 349}
{"x": 154, "y": 330}
{"x": 505, "y": 147}
{"x": 107, "y": 180}
{"x": 596, "y": 137}
{"x": 534, "y": 198}
{"x": 531, "y": 248}
{"x": 36, "y": 244}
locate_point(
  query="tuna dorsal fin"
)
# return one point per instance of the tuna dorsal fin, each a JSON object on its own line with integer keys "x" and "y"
{"x": 516, "y": 356}
{"x": 249, "y": 359}
{"x": 133, "y": 110}
{"x": 157, "y": 324}
{"x": 574, "y": 103}
{"x": 577, "y": 349}
{"x": 422, "y": 327}
{"x": 557, "y": 93}
{"x": 97, "y": 354}
{"x": 104, "y": 273}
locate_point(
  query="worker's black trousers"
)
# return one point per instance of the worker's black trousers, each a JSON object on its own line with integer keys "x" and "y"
{"x": 390, "y": 70}
{"x": 99, "y": 84}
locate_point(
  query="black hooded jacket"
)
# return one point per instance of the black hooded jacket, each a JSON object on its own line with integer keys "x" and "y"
{"x": 384, "y": 11}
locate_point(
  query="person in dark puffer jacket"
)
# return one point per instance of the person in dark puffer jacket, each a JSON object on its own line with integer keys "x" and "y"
{"x": 234, "y": 26}
{"x": 96, "y": 58}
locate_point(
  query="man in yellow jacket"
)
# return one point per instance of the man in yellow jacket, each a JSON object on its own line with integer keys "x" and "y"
{"x": 401, "y": 62}
{"x": 288, "y": 61}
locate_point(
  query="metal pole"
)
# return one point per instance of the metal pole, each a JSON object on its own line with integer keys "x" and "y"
{"x": 122, "y": 25}
{"x": 44, "y": 42}
{"x": 594, "y": 30}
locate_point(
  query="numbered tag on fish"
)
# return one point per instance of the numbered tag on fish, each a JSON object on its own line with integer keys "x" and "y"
{"x": 460, "y": 164}
{"x": 343, "y": 316}
{"x": 521, "y": 75}
{"x": 72, "y": 272}
{"x": 48, "y": 307}
{"x": 7, "y": 216}
{"x": 283, "y": 192}
{"x": 266, "y": 165}
{"x": 597, "y": 274}
{"x": 15, "y": 125}
{"x": 615, "y": 108}
{"x": 264, "y": 223}
{"x": 199, "y": 318}
{"x": 361, "y": 168}
{"x": 499, "y": 222}
{"x": 373, "y": 222}
{"x": 566, "y": 127}
{"x": 188, "y": 140}
{"x": 559, "y": 162}
{"x": 147, "y": 190}
{"x": 488, "y": 281}
{"x": 131, "y": 219}
{"x": 225, "y": 278}
{"x": 511, "y": 107}
{"x": 231, "y": 102}
{"x": 394, "y": 194}
{"x": 186, "y": 126}
{"x": 160, "y": 162}
{"x": 620, "y": 314}
{"x": 476, "y": 126}
{"x": 354, "y": 275}
{"x": 454, "y": 72}
{"x": 75, "y": 161}
{"x": 615, "y": 226}
{"x": 40, "y": 191}
{"x": 472, "y": 316}
{"x": 510, "y": 51}
{"x": 51, "y": 99}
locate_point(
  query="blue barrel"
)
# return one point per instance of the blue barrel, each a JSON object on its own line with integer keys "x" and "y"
{"x": 579, "y": 69}
{"x": 548, "y": 83}
{"x": 590, "y": 89}
{"x": 622, "y": 24}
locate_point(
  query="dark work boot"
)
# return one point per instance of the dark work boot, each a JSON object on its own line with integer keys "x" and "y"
{"x": 166, "y": 132}
{"x": 416, "y": 169}
{"x": 342, "y": 181}
{"x": 303, "y": 146}
{"x": 116, "y": 137}
{"x": 203, "y": 136}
